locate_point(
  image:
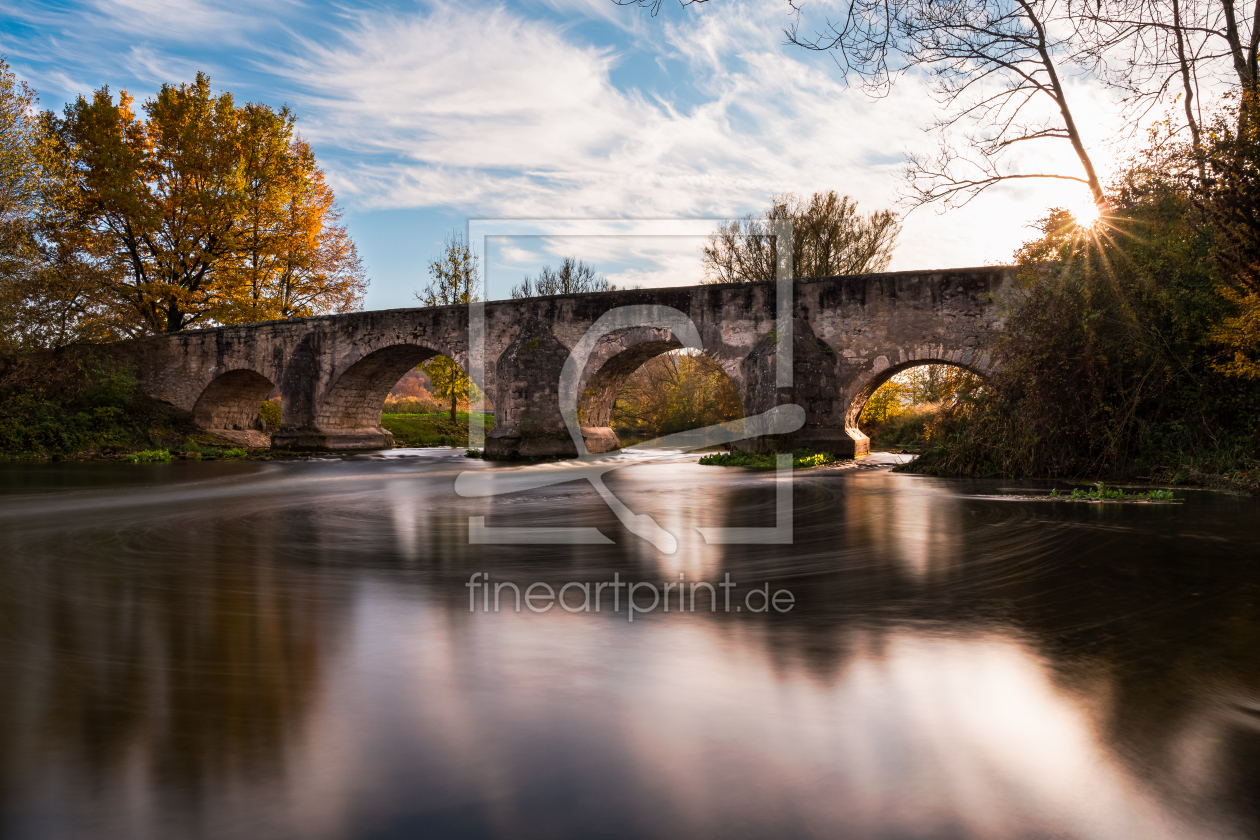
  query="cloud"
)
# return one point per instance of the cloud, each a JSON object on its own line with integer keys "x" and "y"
{"x": 507, "y": 115}
{"x": 549, "y": 108}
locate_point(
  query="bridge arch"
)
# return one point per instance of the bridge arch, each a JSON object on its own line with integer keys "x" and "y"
{"x": 353, "y": 401}
{"x": 229, "y": 406}
{"x": 610, "y": 380}
{"x": 870, "y": 381}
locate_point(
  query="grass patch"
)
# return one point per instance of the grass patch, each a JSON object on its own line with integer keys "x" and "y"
{"x": 1102, "y": 493}
{"x": 801, "y": 459}
{"x": 429, "y": 429}
{"x": 149, "y": 456}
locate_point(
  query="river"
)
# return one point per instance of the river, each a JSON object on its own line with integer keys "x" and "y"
{"x": 305, "y": 650}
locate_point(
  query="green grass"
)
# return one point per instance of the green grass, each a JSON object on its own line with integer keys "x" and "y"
{"x": 429, "y": 429}
{"x": 149, "y": 456}
{"x": 1102, "y": 493}
{"x": 801, "y": 459}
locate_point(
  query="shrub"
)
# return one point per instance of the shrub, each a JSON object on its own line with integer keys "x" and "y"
{"x": 149, "y": 456}
{"x": 410, "y": 405}
{"x": 801, "y": 459}
{"x": 1109, "y": 365}
{"x": 270, "y": 413}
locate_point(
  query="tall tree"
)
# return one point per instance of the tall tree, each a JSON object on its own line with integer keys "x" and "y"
{"x": 454, "y": 279}
{"x": 174, "y": 207}
{"x": 19, "y": 191}
{"x": 1230, "y": 201}
{"x": 50, "y": 291}
{"x": 1152, "y": 48}
{"x": 293, "y": 257}
{"x": 994, "y": 65}
{"x": 829, "y": 237}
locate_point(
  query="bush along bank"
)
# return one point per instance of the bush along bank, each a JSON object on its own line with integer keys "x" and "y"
{"x": 801, "y": 459}
{"x": 1112, "y": 363}
{"x": 77, "y": 403}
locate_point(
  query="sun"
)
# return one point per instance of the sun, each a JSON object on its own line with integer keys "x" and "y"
{"x": 1085, "y": 212}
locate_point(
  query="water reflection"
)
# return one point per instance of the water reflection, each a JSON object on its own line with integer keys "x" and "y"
{"x": 252, "y": 650}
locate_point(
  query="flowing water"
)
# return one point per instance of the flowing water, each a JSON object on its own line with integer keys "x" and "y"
{"x": 287, "y": 649}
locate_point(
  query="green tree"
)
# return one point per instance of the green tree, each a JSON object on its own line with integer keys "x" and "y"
{"x": 454, "y": 279}
{"x": 829, "y": 237}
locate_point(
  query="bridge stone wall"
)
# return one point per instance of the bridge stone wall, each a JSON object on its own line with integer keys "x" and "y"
{"x": 850, "y": 334}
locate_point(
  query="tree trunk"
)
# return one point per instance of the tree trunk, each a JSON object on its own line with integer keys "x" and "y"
{"x": 454, "y": 398}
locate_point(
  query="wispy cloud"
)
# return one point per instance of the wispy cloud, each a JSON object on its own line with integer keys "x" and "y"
{"x": 545, "y": 108}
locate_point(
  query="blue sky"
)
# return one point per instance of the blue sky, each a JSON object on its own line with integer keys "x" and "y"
{"x": 426, "y": 114}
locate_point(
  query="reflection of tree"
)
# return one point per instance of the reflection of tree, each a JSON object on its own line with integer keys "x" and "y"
{"x": 201, "y": 668}
{"x": 1169, "y": 660}
{"x": 1155, "y": 644}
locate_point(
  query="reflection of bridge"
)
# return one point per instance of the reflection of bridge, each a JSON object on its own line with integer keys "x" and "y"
{"x": 850, "y": 334}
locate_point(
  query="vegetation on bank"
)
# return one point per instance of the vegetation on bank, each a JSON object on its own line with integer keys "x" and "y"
{"x": 801, "y": 459}
{"x": 900, "y": 413}
{"x": 77, "y": 403}
{"x": 430, "y": 429}
{"x": 1131, "y": 348}
{"x": 674, "y": 392}
{"x": 73, "y": 401}
{"x": 1100, "y": 492}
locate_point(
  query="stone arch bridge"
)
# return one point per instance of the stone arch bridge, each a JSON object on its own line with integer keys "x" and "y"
{"x": 850, "y": 334}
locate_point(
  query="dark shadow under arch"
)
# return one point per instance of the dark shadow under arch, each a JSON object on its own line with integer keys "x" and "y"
{"x": 232, "y": 401}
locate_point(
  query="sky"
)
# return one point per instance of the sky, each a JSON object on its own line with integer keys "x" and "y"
{"x": 425, "y": 115}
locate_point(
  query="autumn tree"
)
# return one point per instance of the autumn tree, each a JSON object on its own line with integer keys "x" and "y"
{"x": 19, "y": 187}
{"x": 1230, "y": 201}
{"x": 293, "y": 258}
{"x": 204, "y": 212}
{"x": 19, "y": 167}
{"x": 829, "y": 237}
{"x": 50, "y": 290}
{"x": 454, "y": 279}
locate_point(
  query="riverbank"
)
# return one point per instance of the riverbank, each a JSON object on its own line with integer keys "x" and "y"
{"x": 430, "y": 429}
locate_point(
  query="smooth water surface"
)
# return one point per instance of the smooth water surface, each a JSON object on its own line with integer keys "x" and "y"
{"x": 257, "y": 650}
